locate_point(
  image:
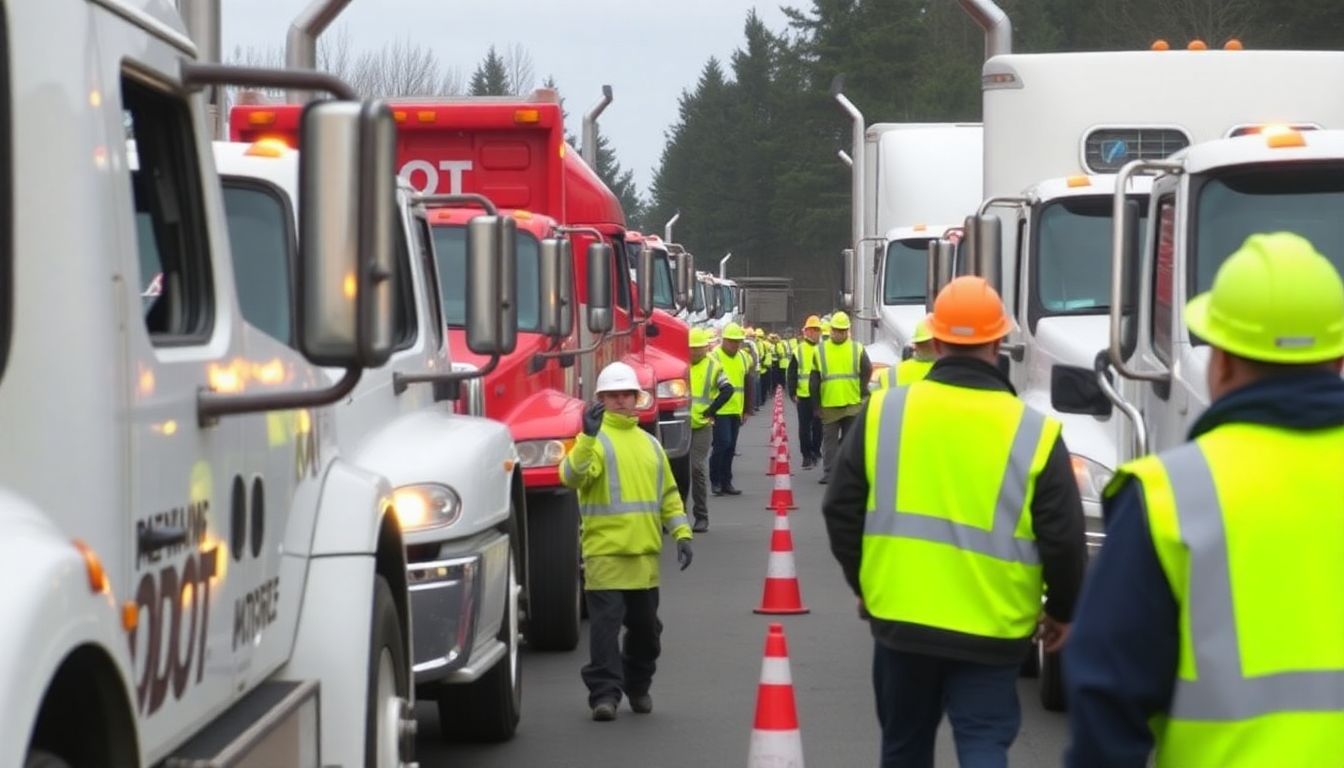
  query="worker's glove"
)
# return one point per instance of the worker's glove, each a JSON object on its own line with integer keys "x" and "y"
{"x": 592, "y": 419}
{"x": 684, "y": 553}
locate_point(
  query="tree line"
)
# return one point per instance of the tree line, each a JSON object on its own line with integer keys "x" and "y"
{"x": 751, "y": 159}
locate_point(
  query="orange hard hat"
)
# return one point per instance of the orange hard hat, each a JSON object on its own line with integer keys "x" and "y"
{"x": 969, "y": 311}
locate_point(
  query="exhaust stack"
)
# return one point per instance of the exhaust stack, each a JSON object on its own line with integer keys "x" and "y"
{"x": 723, "y": 266}
{"x": 202, "y": 19}
{"x": 590, "y": 128}
{"x": 860, "y": 289}
{"x": 667, "y": 228}
{"x": 998, "y": 27}
{"x": 301, "y": 42}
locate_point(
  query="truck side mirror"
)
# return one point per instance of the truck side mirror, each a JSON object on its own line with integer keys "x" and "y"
{"x": 1075, "y": 390}
{"x": 942, "y": 255}
{"x": 557, "y": 287}
{"x": 347, "y": 226}
{"x": 644, "y": 280}
{"x": 685, "y": 277}
{"x": 599, "y": 288}
{"x": 848, "y": 266}
{"x": 982, "y": 247}
{"x": 492, "y": 288}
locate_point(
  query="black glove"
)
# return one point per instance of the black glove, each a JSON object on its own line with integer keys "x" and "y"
{"x": 684, "y": 553}
{"x": 592, "y": 419}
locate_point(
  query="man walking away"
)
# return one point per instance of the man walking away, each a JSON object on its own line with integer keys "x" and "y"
{"x": 840, "y": 376}
{"x": 728, "y": 419}
{"x": 710, "y": 390}
{"x": 1212, "y": 625}
{"x": 626, "y": 497}
{"x": 952, "y": 510}
{"x": 801, "y": 392}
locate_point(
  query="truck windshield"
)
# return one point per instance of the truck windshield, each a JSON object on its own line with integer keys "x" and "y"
{"x": 1072, "y": 258}
{"x": 664, "y": 293}
{"x": 450, "y": 250}
{"x": 726, "y": 298}
{"x": 906, "y": 271}
{"x": 1233, "y": 206}
{"x": 698, "y": 298}
{"x": 260, "y": 234}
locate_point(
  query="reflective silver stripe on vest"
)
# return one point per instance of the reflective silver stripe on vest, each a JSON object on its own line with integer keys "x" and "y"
{"x": 1222, "y": 692}
{"x": 617, "y": 504}
{"x": 705, "y": 398}
{"x": 821, "y": 364}
{"x": 999, "y": 542}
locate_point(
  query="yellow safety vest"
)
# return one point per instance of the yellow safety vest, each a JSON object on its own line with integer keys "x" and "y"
{"x": 626, "y": 496}
{"x": 781, "y": 355}
{"x": 735, "y": 368}
{"x": 807, "y": 356}
{"x": 706, "y": 377}
{"x": 948, "y": 539}
{"x": 1246, "y": 522}
{"x": 907, "y": 372}
{"x": 767, "y": 351}
{"x": 839, "y": 366}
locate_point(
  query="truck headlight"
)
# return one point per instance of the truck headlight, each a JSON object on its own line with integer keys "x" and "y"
{"x": 542, "y": 453}
{"x": 644, "y": 401}
{"x": 673, "y": 389}
{"x": 1092, "y": 477}
{"x": 426, "y": 505}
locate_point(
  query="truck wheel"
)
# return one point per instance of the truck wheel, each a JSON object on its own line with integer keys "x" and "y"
{"x": 388, "y": 686}
{"x": 681, "y": 472}
{"x": 40, "y": 759}
{"x": 553, "y": 566}
{"x": 1052, "y": 680}
{"x": 489, "y": 708}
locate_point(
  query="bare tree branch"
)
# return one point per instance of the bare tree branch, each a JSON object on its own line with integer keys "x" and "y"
{"x": 522, "y": 73}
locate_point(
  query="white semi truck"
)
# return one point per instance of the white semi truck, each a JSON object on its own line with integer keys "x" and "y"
{"x": 196, "y": 572}
{"x": 455, "y": 478}
{"x": 1206, "y": 201}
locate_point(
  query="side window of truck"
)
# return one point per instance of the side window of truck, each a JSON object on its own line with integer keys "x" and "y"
{"x": 6, "y": 199}
{"x": 620, "y": 275}
{"x": 425, "y": 252}
{"x": 1164, "y": 276}
{"x": 175, "y": 278}
{"x": 264, "y": 246}
{"x": 404, "y": 294}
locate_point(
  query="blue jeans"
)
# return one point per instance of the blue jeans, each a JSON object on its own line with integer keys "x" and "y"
{"x": 721, "y": 455}
{"x": 913, "y": 691}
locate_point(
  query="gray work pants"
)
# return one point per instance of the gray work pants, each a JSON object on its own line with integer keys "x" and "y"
{"x": 832, "y": 435}
{"x": 702, "y": 440}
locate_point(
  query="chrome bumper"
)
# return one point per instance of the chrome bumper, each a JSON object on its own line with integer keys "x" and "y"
{"x": 445, "y": 599}
{"x": 675, "y": 433}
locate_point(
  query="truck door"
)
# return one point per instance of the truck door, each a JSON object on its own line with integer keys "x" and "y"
{"x": 177, "y": 342}
{"x": 1165, "y": 425}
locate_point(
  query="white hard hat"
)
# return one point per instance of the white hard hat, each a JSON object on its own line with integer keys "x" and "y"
{"x": 617, "y": 377}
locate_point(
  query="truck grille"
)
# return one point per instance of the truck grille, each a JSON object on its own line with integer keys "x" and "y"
{"x": 1106, "y": 150}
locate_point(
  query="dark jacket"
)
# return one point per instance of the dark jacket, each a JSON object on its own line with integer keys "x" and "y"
{"x": 865, "y": 373}
{"x": 1120, "y": 662}
{"x": 1057, "y": 520}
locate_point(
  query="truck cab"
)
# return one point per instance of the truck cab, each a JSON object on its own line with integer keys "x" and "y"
{"x": 452, "y": 475}
{"x": 184, "y": 535}
{"x": 1205, "y": 202}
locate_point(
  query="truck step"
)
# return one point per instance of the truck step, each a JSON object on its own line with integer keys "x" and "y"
{"x": 276, "y": 724}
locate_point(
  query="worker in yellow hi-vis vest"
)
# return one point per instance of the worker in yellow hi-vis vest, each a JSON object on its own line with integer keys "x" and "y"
{"x": 916, "y": 366}
{"x": 800, "y": 389}
{"x": 840, "y": 378}
{"x": 1212, "y": 624}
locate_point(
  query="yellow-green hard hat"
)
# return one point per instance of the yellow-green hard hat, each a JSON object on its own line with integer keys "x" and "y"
{"x": 1276, "y": 300}
{"x": 840, "y": 321}
{"x": 733, "y": 332}
{"x": 922, "y": 332}
{"x": 699, "y": 338}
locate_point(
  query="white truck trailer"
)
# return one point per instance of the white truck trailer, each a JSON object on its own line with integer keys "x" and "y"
{"x": 192, "y": 563}
{"x": 454, "y": 477}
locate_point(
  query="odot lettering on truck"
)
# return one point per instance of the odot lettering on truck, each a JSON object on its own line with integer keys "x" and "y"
{"x": 426, "y": 177}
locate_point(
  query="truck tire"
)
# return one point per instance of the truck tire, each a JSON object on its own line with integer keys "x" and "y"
{"x": 489, "y": 708}
{"x": 681, "y": 472}
{"x": 1052, "y": 681}
{"x": 38, "y": 758}
{"x": 389, "y": 682}
{"x": 553, "y": 593}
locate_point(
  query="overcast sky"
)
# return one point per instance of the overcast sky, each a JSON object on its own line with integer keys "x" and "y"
{"x": 647, "y": 50}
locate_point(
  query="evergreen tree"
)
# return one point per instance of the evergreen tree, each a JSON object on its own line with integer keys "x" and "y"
{"x": 491, "y": 78}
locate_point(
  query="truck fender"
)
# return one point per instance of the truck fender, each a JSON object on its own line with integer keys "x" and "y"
{"x": 473, "y": 456}
{"x": 52, "y": 613}
{"x": 349, "y": 513}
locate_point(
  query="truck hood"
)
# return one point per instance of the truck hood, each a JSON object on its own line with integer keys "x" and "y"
{"x": 512, "y": 390}
{"x": 1070, "y": 340}
{"x": 669, "y": 352}
{"x": 896, "y": 326}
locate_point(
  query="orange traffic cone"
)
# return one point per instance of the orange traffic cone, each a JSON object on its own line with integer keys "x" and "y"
{"x": 781, "y": 462}
{"x": 782, "y": 593}
{"x": 782, "y": 495}
{"x": 776, "y": 741}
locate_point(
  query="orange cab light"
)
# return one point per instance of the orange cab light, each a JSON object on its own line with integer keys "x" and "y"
{"x": 267, "y": 147}
{"x": 1284, "y": 138}
{"x": 921, "y": 227}
{"x": 130, "y": 615}
{"x": 522, "y": 215}
{"x": 1233, "y": 45}
{"x": 1197, "y": 45}
{"x": 1161, "y": 45}
{"x": 399, "y": 115}
{"x": 261, "y": 117}
{"x": 426, "y": 115}
{"x": 93, "y": 566}
{"x": 1079, "y": 181}
{"x": 527, "y": 116}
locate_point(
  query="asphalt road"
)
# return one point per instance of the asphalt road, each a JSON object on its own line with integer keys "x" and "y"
{"x": 705, "y": 689}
